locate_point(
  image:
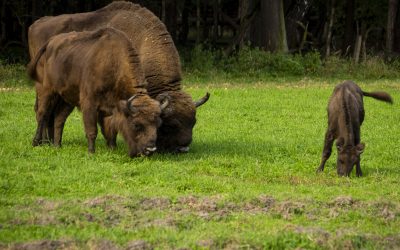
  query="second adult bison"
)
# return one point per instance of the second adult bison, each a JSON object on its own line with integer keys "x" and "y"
{"x": 99, "y": 72}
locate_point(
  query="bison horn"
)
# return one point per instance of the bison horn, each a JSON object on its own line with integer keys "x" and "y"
{"x": 131, "y": 98}
{"x": 164, "y": 103}
{"x": 202, "y": 100}
{"x": 128, "y": 103}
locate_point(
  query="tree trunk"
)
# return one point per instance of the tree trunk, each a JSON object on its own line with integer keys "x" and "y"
{"x": 37, "y": 9}
{"x": 198, "y": 18}
{"x": 294, "y": 20}
{"x": 3, "y": 23}
{"x": 183, "y": 34}
{"x": 215, "y": 22}
{"x": 329, "y": 29}
{"x": 392, "y": 12}
{"x": 268, "y": 29}
{"x": 349, "y": 27}
{"x": 169, "y": 16}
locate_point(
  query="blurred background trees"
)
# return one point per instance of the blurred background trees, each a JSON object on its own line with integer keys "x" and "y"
{"x": 349, "y": 28}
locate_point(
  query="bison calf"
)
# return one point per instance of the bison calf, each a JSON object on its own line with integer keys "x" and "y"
{"x": 99, "y": 72}
{"x": 345, "y": 116}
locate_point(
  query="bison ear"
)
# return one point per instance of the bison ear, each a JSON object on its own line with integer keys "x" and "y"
{"x": 360, "y": 148}
{"x": 340, "y": 143}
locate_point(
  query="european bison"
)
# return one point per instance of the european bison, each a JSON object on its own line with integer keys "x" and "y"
{"x": 157, "y": 54}
{"x": 99, "y": 72}
{"x": 345, "y": 116}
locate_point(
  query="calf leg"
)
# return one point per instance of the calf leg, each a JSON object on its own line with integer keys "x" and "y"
{"x": 326, "y": 153}
{"x": 358, "y": 169}
{"x": 61, "y": 113}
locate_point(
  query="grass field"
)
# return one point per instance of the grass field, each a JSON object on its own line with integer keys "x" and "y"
{"x": 248, "y": 181}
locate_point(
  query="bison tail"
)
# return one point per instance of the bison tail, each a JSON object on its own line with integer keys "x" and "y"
{"x": 379, "y": 95}
{"x": 31, "y": 68}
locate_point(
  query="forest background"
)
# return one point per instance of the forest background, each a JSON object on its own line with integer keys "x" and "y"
{"x": 343, "y": 39}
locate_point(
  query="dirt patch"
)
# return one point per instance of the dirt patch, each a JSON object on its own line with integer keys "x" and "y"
{"x": 47, "y": 205}
{"x": 206, "y": 207}
{"x": 289, "y": 208}
{"x": 316, "y": 234}
{"x": 204, "y": 204}
{"x": 105, "y": 201}
{"x": 138, "y": 245}
{"x": 102, "y": 244}
{"x": 164, "y": 222}
{"x": 343, "y": 202}
{"x": 206, "y": 243}
{"x": 45, "y": 245}
{"x": 386, "y": 210}
{"x": 155, "y": 203}
{"x": 261, "y": 204}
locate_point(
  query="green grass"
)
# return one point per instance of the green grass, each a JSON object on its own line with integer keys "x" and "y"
{"x": 248, "y": 181}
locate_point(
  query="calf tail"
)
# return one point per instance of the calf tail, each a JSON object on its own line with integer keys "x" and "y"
{"x": 31, "y": 68}
{"x": 379, "y": 95}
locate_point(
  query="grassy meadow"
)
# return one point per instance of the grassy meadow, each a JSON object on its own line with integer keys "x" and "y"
{"x": 248, "y": 181}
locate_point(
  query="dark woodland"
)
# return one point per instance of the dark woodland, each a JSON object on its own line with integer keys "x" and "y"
{"x": 352, "y": 28}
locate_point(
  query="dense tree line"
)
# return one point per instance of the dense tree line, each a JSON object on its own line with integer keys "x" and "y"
{"x": 350, "y": 28}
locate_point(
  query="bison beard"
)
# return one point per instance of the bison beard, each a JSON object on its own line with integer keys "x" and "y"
{"x": 345, "y": 116}
{"x": 75, "y": 68}
{"x": 157, "y": 55}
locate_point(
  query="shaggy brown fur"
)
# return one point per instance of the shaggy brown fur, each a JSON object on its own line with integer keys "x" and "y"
{"x": 157, "y": 54}
{"x": 345, "y": 116}
{"x": 76, "y": 67}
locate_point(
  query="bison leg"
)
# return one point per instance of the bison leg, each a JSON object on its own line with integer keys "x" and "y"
{"x": 358, "y": 169}
{"x": 44, "y": 108}
{"x": 109, "y": 133}
{"x": 48, "y": 130}
{"x": 90, "y": 123}
{"x": 326, "y": 153}
{"x": 61, "y": 113}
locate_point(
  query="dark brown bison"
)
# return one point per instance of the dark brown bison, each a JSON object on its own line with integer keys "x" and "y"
{"x": 157, "y": 54}
{"x": 345, "y": 116}
{"x": 99, "y": 72}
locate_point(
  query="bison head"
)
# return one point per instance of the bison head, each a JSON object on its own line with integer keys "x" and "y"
{"x": 348, "y": 156}
{"x": 139, "y": 121}
{"x": 178, "y": 120}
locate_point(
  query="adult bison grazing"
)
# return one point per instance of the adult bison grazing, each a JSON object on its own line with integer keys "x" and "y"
{"x": 99, "y": 72}
{"x": 345, "y": 116}
{"x": 157, "y": 54}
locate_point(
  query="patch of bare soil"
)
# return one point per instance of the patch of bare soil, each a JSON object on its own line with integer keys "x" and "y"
{"x": 206, "y": 207}
{"x": 155, "y": 203}
{"x": 289, "y": 208}
{"x": 102, "y": 244}
{"x": 45, "y": 245}
{"x": 138, "y": 245}
{"x": 205, "y": 243}
{"x": 105, "y": 201}
{"x": 316, "y": 234}
{"x": 343, "y": 202}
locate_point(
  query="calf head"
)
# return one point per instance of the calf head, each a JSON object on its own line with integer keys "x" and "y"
{"x": 348, "y": 156}
{"x": 139, "y": 121}
{"x": 178, "y": 120}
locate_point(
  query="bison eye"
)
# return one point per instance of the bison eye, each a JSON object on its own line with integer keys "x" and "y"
{"x": 139, "y": 127}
